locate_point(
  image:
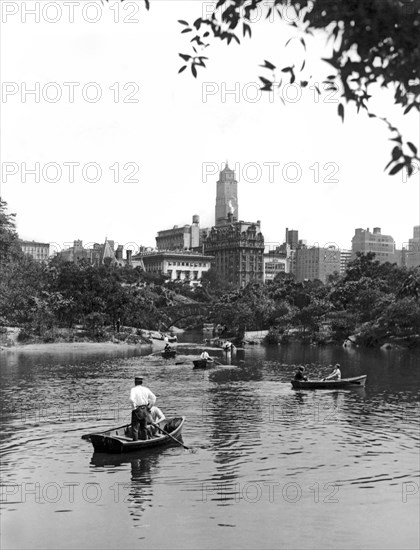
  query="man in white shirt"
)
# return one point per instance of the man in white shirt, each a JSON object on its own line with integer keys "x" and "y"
{"x": 141, "y": 399}
{"x": 205, "y": 356}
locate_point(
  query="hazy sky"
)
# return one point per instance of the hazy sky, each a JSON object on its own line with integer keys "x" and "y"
{"x": 179, "y": 131}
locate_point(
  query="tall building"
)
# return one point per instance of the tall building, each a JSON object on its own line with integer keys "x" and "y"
{"x": 382, "y": 245}
{"x": 226, "y": 197}
{"x": 237, "y": 246}
{"x": 238, "y": 250}
{"x": 40, "y": 252}
{"x": 413, "y": 253}
{"x": 317, "y": 263}
{"x": 292, "y": 238}
{"x": 186, "y": 237}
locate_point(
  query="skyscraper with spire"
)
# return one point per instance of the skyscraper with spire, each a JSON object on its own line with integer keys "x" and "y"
{"x": 226, "y": 197}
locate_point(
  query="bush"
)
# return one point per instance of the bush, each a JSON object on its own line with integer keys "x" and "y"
{"x": 273, "y": 337}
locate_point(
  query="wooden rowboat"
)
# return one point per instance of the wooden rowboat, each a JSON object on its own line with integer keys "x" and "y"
{"x": 203, "y": 364}
{"x": 119, "y": 440}
{"x": 355, "y": 382}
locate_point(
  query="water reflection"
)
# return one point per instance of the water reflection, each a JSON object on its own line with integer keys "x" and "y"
{"x": 137, "y": 492}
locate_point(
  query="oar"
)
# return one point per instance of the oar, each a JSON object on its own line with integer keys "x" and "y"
{"x": 168, "y": 434}
{"x": 87, "y": 436}
{"x": 217, "y": 362}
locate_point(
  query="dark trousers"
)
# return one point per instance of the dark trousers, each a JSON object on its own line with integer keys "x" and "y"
{"x": 138, "y": 422}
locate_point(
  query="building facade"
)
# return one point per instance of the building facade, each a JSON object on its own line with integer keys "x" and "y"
{"x": 317, "y": 263}
{"x": 412, "y": 257}
{"x": 177, "y": 266}
{"x": 238, "y": 250}
{"x": 40, "y": 252}
{"x": 345, "y": 258}
{"x": 186, "y": 237}
{"x": 382, "y": 245}
{"x": 275, "y": 263}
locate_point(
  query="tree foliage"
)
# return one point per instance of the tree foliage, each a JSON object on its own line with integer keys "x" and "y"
{"x": 369, "y": 43}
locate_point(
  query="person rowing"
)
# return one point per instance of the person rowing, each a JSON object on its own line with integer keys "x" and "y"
{"x": 336, "y": 373}
{"x": 205, "y": 356}
{"x": 300, "y": 374}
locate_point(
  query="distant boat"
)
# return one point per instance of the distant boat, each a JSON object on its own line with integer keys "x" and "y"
{"x": 203, "y": 363}
{"x": 356, "y": 382}
{"x": 119, "y": 440}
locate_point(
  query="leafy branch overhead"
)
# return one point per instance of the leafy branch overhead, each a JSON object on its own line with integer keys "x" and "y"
{"x": 372, "y": 42}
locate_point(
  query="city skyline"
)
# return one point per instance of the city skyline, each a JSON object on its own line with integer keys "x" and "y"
{"x": 176, "y": 138}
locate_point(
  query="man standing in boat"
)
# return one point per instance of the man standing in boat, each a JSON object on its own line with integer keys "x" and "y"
{"x": 141, "y": 399}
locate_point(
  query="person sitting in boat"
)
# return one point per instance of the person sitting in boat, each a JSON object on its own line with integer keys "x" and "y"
{"x": 336, "y": 373}
{"x": 141, "y": 399}
{"x": 156, "y": 416}
{"x": 205, "y": 356}
{"x": 300, "y": 374}
{"x": 167, "y": 347}
{"x": 228, "y": 346}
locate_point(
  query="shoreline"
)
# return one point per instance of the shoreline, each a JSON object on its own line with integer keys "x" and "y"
{"x": 74, "y": 346}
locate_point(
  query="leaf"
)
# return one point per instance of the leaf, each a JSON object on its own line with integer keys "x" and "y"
{"x": 412, "y": 147}
{"x": 182, "y": 22}
{"x": 341, "y": 111}
{"x": 246, "y": 29}
{"x": 184, "y": 56}
{"x": 194, "y": 71}
{"x": 186, "y": 30}
{"x": 396, "y": 152}
{"x": 268, "y": 65}
{"x": 182, "y": 69}
{"x": 396, "y": 168}
{"x": 408, "y": 108}
{"x": 303, "y": 43}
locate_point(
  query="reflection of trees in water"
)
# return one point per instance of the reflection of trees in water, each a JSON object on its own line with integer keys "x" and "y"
{"x": 232, "y": 415}
{"x": 138, "y": 492}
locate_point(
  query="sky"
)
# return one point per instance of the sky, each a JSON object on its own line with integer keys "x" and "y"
{"x": 138, "y": 147}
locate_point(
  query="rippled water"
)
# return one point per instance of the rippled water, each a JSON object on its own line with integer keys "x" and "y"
{"x": 272, "y": 467}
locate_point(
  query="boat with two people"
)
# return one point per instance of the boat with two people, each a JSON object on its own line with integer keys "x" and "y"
{"x": 343, "y": 383}
{"x": 120, "y": 439}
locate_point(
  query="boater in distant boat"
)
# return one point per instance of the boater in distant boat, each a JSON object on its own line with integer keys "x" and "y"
{"x": 336, "y": 374}
{"x": 205, "y": 356}
{"x": 299, "y": 374}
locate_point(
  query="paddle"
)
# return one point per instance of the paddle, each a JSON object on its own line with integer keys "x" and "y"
{"x": 87, "y": 436}
{"x": 168, "y": 434}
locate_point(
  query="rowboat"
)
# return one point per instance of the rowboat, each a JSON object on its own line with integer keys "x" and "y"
{"x": 119, "y": 440}
{"x": 170, "y": 354}
{"x": 355, "y": 382}
{"x": 203, "y": 364}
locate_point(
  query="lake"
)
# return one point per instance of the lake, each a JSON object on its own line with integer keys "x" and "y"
{"x": 271, "y": 467}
